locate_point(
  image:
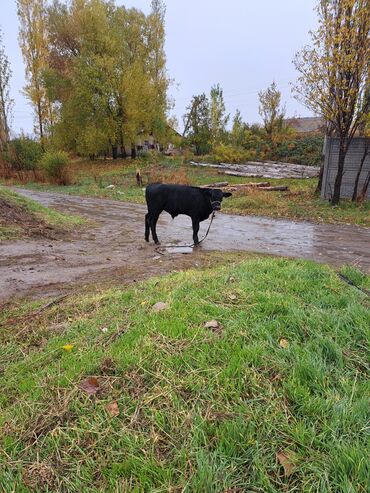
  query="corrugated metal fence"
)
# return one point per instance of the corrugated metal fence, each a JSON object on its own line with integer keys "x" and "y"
{"x": 351, "y": 167}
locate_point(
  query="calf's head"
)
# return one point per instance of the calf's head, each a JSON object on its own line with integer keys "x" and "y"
{"x": 215, "y": 195}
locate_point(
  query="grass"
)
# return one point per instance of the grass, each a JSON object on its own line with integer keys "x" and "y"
{"x": 284, "y": 376}
{"x": 300, "y": 203}
{"x": 30, "y": 210}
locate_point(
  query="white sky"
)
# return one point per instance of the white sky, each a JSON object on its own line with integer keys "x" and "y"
{"x": 242, "y": 44}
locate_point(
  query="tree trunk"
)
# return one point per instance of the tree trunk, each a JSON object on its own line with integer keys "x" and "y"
{"x": 114, "y": 151}
{"x": 366, "y": 150}
{"x": 41, "y": 128}
{"x": 319, "y": 183}
{"x": 338, "y": 179}
{"x": 133, "y": 151}
{"x": 321, "y": 174}
{"x": 365, "y": 187}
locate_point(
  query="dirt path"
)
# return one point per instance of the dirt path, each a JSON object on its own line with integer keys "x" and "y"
{"x": 115, "y": 247}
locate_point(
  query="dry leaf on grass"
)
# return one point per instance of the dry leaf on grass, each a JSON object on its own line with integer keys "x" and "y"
{"x": 285, "y": 459}
{"x": 213, "y": 325}
{"x": 284, "y": 343}
{"x": 158, "y": 307}
{"x": 90, "y": 385}
{"x": 113, "y": 408}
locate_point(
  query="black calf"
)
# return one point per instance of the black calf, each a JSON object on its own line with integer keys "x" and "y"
{"x": 198, "y": 203}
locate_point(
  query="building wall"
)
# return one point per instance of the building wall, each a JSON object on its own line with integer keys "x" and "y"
{"x": 351, "y": 166}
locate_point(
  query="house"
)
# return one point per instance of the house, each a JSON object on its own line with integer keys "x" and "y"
{"x": 146, "y": 142}
{"x": 307, "y": 125}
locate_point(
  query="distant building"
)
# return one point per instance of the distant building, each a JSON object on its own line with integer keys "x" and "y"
{"x": 307, "y": 125}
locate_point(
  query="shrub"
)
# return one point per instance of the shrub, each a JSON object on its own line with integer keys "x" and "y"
{"x": 302, "y": 150}
{"x": 23, "y": 154}
{"x": 230, "y": 154}
{"x": 54, "y": 165}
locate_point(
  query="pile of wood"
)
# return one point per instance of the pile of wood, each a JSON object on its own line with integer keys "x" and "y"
{"x": 254, "y": 169}
{"x": 238, "y": 187}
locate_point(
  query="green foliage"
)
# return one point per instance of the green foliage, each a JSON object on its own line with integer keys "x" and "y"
{"x": 198, "y": 124}
{"x": 23, "y": 154}
{"x": 305, "y": 150}
{"x": 229, "y": 154}
{"x": 6, "y": 102}
{"x": 54, "y": 164}
{"x": 107, "y": 74}
{"x": 271, "y": 111}
{"x": 218, "y": 116}
{"x": 238, "y": 130}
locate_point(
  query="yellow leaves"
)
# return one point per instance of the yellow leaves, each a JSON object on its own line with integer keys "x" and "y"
{"x": 68, "y": 347}
{"x": 284, "y": 343}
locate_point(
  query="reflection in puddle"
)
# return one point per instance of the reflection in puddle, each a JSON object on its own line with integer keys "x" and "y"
{"x": 184, "y": 250}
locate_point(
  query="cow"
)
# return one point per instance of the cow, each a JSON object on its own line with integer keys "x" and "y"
{"x": 197, "y": 203}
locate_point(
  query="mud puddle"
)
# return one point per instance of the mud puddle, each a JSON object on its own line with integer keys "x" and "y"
{"x": 115, "y": 248}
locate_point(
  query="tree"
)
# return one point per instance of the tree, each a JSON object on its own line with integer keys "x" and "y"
{"x": 34, "y": 45}
{"x": 107, "y": 74}
{"x": 218, "y": 116}
{"x": 271, "y": 111}
{"x": 6, "y": 102}
{"x": 157, "y": 65}
{"x": 333, "y": 72}
{"x": 238, "y": 130}
{"x": 197, "y": 128}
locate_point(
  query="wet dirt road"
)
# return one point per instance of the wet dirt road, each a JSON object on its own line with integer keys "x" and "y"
{"x": 114, "y": 246}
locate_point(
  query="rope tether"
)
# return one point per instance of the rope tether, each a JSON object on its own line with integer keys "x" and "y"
{"x": 164, "y": 247}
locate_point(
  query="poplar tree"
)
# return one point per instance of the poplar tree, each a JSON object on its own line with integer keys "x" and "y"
{"x": 271, "y": 111}
{"x": 218, "y": 116}
{"x": 34, "y": 46}
{"x": 6, "y": 102}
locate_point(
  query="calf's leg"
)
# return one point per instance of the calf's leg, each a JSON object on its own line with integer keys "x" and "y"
{"x": 153, "y": 218}
{"x": 147, "y": 227}
{"x": 195, "y": 231}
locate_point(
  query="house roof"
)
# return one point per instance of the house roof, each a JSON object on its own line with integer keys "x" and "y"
{"x": 309, "y": 124}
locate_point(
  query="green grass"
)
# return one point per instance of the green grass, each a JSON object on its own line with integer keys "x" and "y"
{"x": 300, "y": 203}
{"x": 34, "y": 210}
{"x": 199, "y": 411}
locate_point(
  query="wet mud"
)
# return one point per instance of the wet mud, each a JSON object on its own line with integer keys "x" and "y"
{"x": 113, "y": 247}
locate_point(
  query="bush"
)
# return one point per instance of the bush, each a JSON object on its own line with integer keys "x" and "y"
{"x": 230, "y": 154}
{"x": 54, "y": 165}
{"x": 23, "y": 154}
{"x": 304, "y": 150}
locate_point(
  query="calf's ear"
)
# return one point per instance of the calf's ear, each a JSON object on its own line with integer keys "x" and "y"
{"x": 227, "y": 194}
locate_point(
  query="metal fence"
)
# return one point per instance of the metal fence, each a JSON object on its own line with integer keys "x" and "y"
{"x": 351, "y": 166}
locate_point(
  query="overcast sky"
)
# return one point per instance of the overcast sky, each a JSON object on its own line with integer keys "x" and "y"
{"x": 242, "y": 44}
